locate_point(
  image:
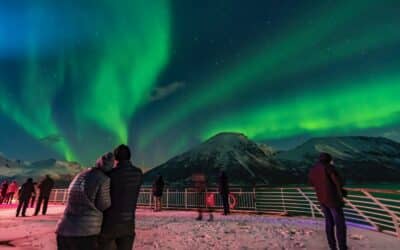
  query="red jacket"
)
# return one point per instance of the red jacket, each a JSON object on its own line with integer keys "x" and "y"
{"x": 327, "y": 184}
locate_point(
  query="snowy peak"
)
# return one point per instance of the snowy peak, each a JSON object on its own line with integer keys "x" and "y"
{"x": 243, "y": 159}
{"x": 345, "y": 148}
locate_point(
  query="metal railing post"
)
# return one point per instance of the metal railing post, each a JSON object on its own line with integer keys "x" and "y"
{"x": 150, "y": 199}
{"x": 55, "y": 195}
{"x": 167, "y": 198}
{"x": 310, "y": 202}
{"x": 354, "y": 207}
{"x": 283, "y": 200}
{"x": 186, "y": 206}
{"x": 65, "y": 196}
{"x": 254, "y": 198}
{"x": 395, "y": 218}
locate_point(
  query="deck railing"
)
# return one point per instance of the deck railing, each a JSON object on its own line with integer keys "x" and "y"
{"x": 375, "y": 209}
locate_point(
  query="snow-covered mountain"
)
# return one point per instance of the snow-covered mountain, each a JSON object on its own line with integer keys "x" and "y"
{"x": 245, "y": 162}
{"x": 358, "y": 158}
{"x": 61, "y": 171}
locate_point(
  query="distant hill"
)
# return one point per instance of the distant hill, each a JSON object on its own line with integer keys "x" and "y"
{"x": 62, "y": 172}
{"x": 245, "y": 162}
{"x": 360, "y": 159}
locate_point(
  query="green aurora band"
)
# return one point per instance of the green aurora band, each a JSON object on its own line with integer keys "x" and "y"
{"x": 281, "y": 57}
{"x": 112, "y": 73}
{"x": 133, "y": 52}
{"x": 31, "y": 108}
{"x": 368, "y": 102}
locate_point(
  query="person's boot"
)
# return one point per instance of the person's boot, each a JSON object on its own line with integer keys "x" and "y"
{"x": 211, "y": 218}
{"x": 199, "y": 217}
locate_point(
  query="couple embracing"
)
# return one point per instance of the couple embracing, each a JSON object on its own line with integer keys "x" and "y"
{"x": 100, "y": 211}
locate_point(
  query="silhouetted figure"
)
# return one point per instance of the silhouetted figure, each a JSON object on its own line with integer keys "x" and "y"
{"x": 11, "y": 191}
{"x": 223, "y": 186}
{"x": 200, "y": 185}
{"x": 89, "y": 196}
{"x": 3, "y": 192}
{"x": 24, "y": 195}
{"x": 44, "y": 194}
{"x": 34, "y": 194}
{"x": 157, "y": 189}
{"x": 119, "y": 220}
{"x": 328, "y": 187}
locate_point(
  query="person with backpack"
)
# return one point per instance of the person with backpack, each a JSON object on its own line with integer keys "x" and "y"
{"x": 328, "y": 187}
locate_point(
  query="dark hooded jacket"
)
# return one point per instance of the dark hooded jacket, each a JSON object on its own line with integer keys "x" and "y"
{"x": 126, "y": 180}
{"x": 89, "y": 196}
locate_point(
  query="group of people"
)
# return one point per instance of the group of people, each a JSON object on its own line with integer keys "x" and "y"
{"x": 100, "y": 210}
{"x": 27, "y": 194}
{"x": 29, "y": 191}
{"x": 8, "y": 191}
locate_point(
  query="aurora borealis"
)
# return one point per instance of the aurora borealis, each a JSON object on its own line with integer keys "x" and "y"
{"x": 85, "y": 73}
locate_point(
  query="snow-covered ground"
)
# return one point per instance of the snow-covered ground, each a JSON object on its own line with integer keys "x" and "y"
{"x": 179, "y": 230}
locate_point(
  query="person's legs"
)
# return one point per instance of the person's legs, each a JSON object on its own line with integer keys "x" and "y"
{"x": 63, "y": 243}
{"x": 225, "y": 202}
{"x": 45, "y": 203}
{"x": 33, "y": 201}
{"x": 38, "y": 204}
{"x": 340, "y": 223}
{"x": 10, "y": 198}
{"x": 158, "y": 198}
{"x": 125, "y": 243}
{"x": 19, "y": 207}
{"x": 25, "y": 206}
{"x": 106, "y": 243}
{"x": 329, "y": 227}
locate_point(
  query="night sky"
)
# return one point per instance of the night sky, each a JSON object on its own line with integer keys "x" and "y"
{"x": 78, "y": 78}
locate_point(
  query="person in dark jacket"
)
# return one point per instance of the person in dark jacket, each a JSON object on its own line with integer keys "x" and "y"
{"x": 3, "y": 193}
{"x": 89, "y": 196}
{"x": 44, "y": 194}
{"x": 119, "y": 220}
{"x": 328, "y": 187}
{"x": 158, "y": 188}
{"x": 223, "y": 186}
{"x": 24, "y": 196}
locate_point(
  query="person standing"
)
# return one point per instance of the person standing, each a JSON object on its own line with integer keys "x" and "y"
{"x": 34, "y": 194}
{"x": 3, "y": 193}
{"x": 44, "y": 194}
{"x": 11, "y": 190}
{"x": 328, "y": 187}
{"x": 200, "y": 185}
{"x": 24, "y": 195}
{"x": 119, "y": 220}
{"x": 89, "y": 196}
{"x": 157, "y": 189}
{"x": 224, "y": 190}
